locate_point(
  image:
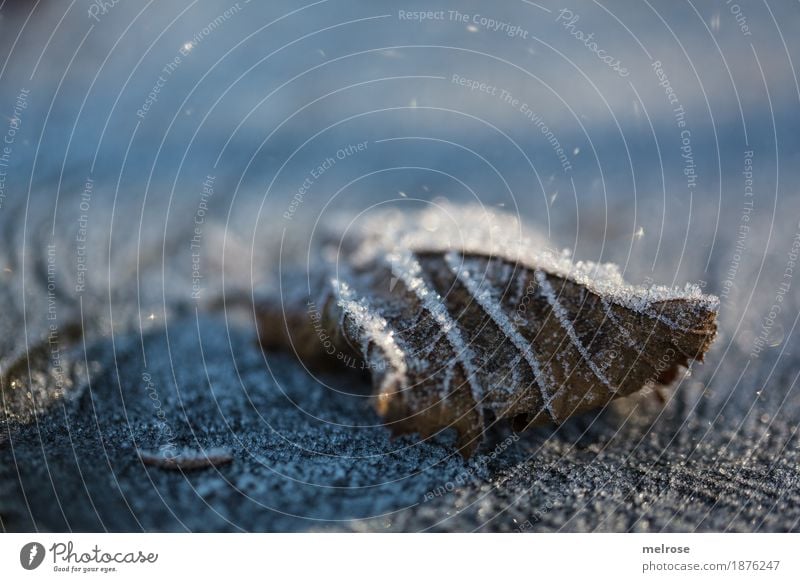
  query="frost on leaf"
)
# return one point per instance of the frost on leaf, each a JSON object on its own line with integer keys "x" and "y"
{"x": 459, "y": 317}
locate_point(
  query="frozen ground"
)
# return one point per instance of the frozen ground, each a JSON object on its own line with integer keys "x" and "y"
{"x": 299, "y": 464}
{"x": 308, "y": 452}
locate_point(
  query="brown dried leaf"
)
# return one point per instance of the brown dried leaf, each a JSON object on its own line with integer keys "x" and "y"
{"x": 455, "y": 313}
{"x": 187, "y": 459}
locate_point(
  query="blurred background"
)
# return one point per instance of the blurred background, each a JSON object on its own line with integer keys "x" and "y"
{"x": 155, "y": 154}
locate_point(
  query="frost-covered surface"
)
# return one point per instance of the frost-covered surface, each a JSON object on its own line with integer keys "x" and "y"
{"x": 308, "y": 452}
{"x": 489, "y": 231}
{"x": 311, "y": 458}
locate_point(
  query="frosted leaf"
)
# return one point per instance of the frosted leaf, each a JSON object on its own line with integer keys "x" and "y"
{"x": 477, "y": 315}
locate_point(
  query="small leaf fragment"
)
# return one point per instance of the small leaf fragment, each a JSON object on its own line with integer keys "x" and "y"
{"x": 187, "y": 459}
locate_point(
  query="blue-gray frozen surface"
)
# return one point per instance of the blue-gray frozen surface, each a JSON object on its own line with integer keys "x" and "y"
{"x": 148, "y": 148}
